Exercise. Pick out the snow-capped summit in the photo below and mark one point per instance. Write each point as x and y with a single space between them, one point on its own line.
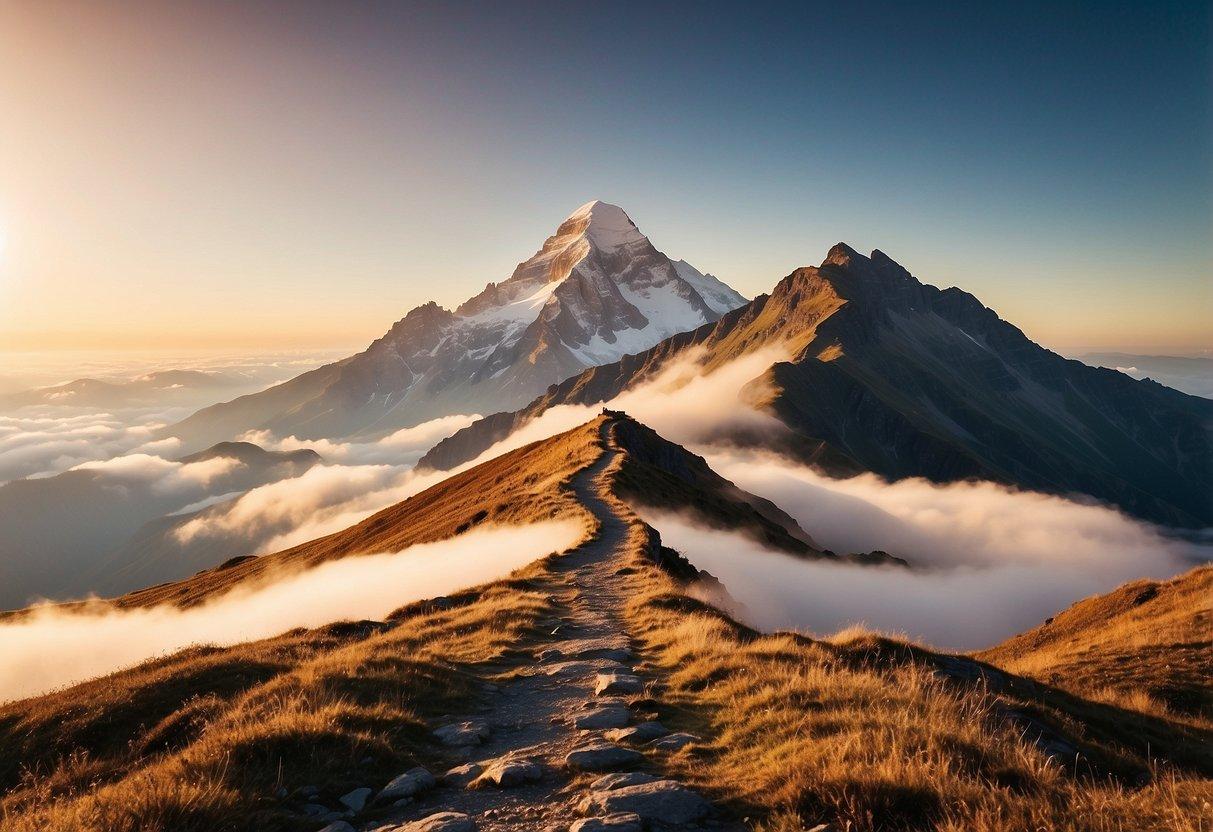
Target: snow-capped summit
605 225
595 291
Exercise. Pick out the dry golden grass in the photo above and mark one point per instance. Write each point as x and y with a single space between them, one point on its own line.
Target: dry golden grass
862 734
523 486
205 740
1146 646
859 731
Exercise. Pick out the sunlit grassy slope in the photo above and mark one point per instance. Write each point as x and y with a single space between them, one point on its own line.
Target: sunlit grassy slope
861 732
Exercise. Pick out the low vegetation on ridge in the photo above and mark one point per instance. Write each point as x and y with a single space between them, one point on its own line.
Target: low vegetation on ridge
860 732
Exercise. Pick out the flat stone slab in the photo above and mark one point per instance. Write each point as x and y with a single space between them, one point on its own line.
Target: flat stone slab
410 784
644 732
609 782
615 683
674 742
338 826
611 716
441 822
602 756
664 801
618 822
507 773
458 734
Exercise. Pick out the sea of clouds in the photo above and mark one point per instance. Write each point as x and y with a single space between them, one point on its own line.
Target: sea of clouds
988 561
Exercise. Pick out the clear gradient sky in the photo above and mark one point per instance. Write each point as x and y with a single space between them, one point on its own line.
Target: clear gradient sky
301 174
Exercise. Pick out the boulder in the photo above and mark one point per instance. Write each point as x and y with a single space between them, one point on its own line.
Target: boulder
602 756
644 732
506 773
663 801
608 782
460 776
458 734
674 742
410 784
617 683
611 716
356 799
338 826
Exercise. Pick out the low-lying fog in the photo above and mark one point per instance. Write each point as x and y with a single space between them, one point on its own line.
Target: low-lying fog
989 561
51 648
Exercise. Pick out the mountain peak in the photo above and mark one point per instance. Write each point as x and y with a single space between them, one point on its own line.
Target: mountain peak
842 255
596 290
605 225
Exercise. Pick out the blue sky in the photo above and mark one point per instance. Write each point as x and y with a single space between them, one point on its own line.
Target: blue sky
280 172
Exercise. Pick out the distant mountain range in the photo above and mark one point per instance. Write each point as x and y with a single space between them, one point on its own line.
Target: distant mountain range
595 291
157 388
893 376
59 531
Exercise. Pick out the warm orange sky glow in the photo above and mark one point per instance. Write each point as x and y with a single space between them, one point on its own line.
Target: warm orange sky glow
264 175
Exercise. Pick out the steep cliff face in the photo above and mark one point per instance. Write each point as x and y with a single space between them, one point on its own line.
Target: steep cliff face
905 379
595 291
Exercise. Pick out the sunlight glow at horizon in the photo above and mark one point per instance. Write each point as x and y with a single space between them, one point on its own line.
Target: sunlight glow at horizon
301 175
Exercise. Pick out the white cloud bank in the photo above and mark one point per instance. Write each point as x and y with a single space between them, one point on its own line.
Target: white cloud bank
51 648
990 561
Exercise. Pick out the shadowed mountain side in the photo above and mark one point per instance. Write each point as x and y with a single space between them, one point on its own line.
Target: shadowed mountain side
1144 640
660 474
903 379
58 530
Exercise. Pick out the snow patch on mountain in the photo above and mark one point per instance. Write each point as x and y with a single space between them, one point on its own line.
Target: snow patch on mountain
595 291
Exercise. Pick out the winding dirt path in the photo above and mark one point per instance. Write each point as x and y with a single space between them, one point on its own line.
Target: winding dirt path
533 714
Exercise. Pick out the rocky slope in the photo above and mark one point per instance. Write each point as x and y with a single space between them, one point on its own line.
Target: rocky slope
596 291
894 376
588 691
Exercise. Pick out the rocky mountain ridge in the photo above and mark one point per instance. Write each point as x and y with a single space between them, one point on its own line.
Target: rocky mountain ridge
595 291
891 375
